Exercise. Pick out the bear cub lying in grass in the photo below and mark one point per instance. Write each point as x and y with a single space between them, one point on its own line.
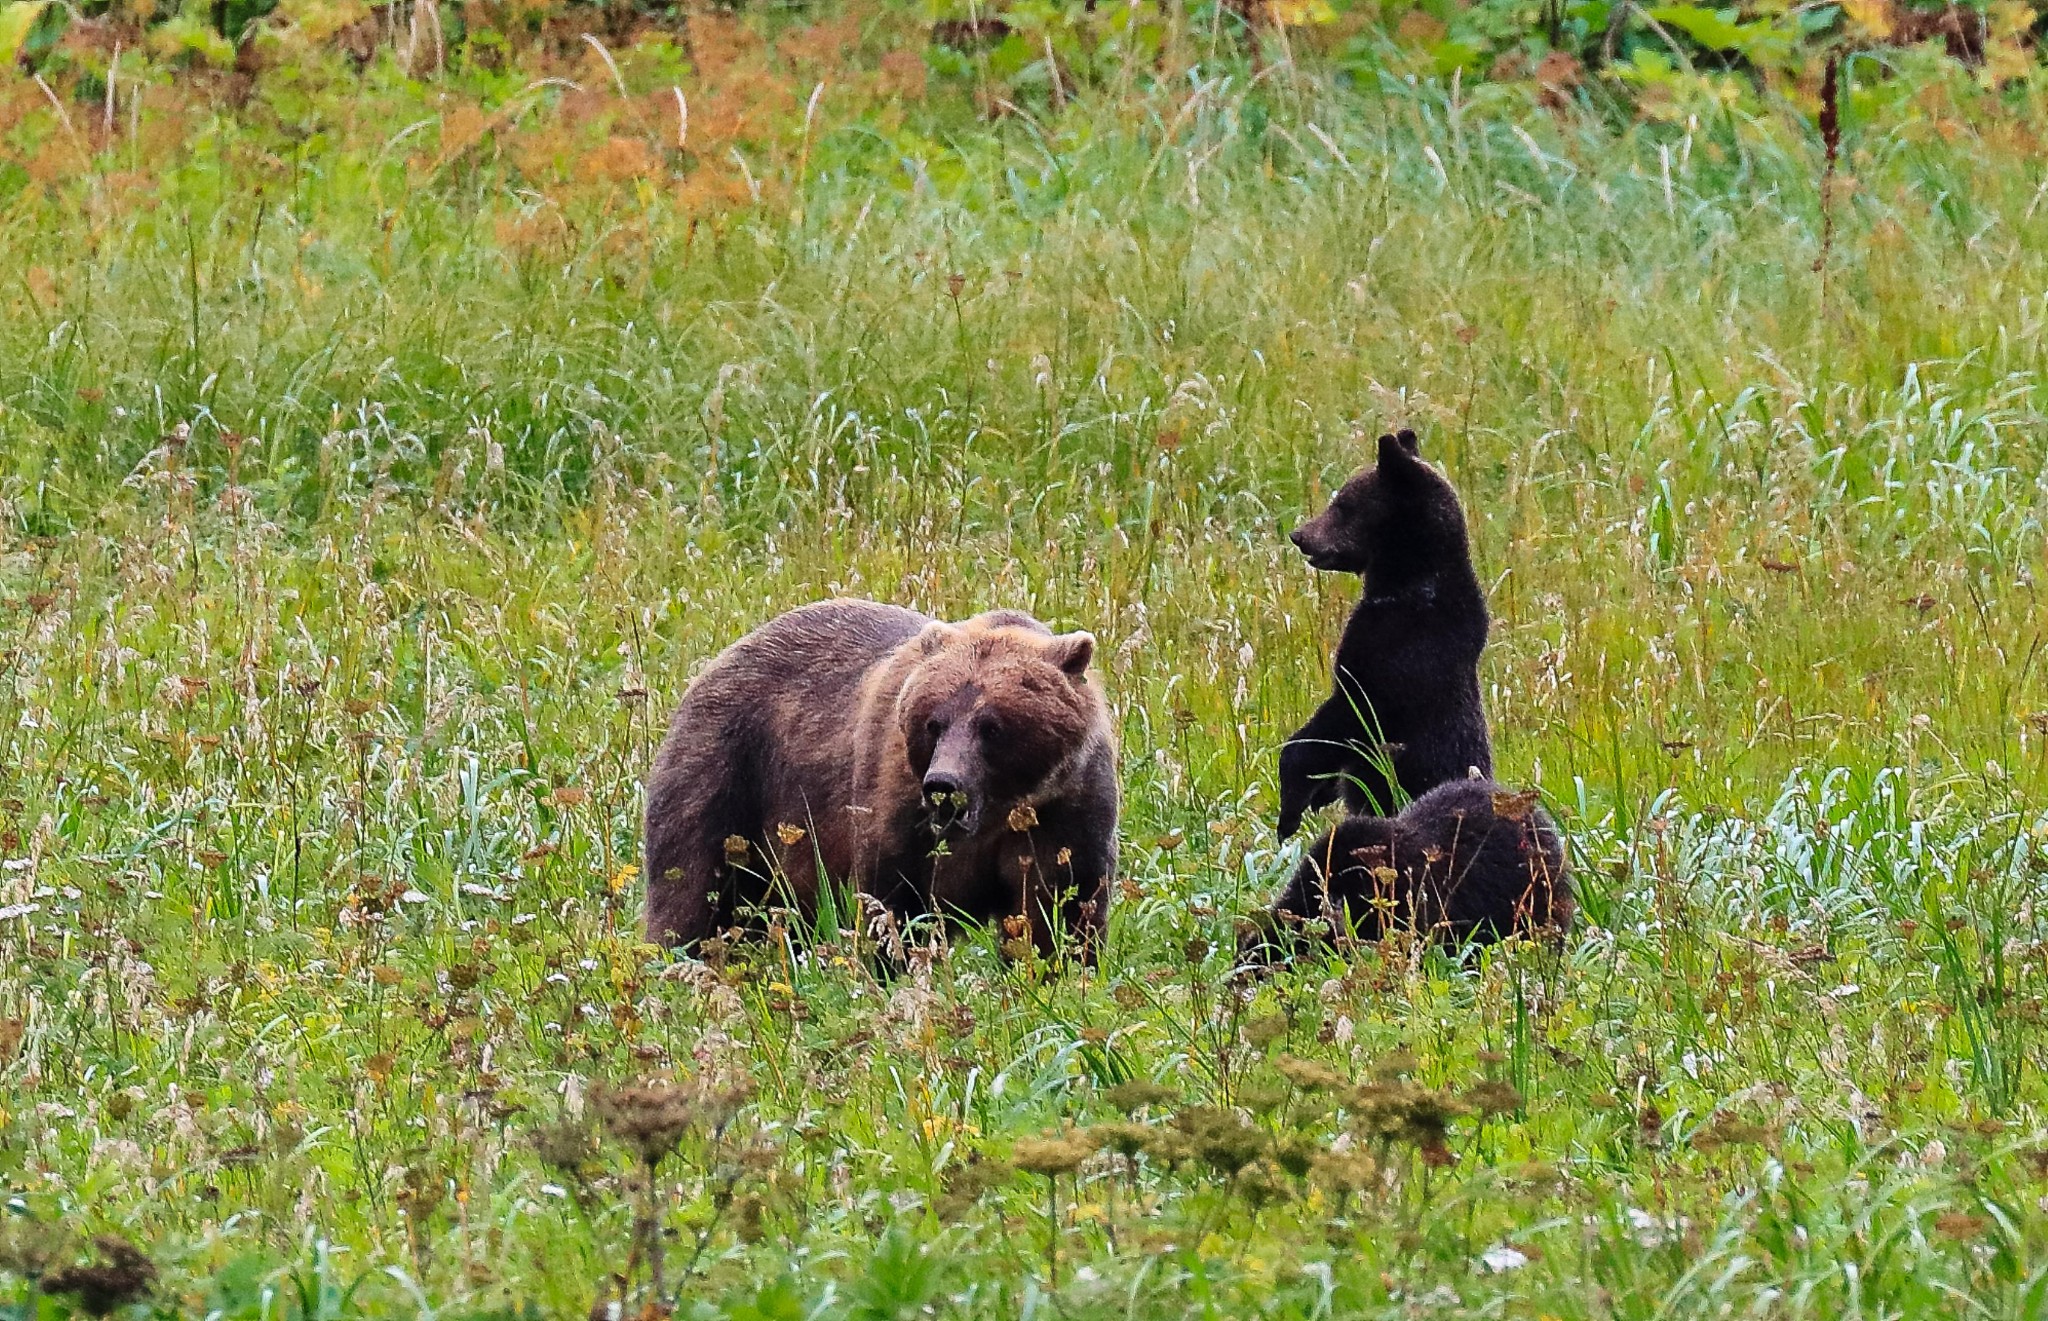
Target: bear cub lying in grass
1407 667
966 769
1466 861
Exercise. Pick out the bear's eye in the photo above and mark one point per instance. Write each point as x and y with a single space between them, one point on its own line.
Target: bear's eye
932 729
992 730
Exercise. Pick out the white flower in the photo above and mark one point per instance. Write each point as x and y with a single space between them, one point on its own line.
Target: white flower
1503 1257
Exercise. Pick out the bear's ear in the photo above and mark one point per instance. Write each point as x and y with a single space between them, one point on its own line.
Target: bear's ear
1072 652
933 636
1399 451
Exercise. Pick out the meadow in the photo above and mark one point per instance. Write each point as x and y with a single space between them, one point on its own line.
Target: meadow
385 437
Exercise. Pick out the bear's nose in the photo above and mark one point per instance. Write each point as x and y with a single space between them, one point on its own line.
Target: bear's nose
1299 544
940 786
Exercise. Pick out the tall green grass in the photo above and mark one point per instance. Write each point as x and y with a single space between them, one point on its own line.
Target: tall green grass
358 543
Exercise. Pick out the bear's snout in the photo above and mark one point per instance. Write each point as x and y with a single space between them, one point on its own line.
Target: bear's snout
1312 546
950 800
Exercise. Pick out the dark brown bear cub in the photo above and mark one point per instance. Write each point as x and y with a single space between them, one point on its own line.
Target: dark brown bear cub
966 769
1407 667
1466 861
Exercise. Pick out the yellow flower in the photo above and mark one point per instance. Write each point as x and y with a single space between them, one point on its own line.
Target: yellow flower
1873 16
1301 13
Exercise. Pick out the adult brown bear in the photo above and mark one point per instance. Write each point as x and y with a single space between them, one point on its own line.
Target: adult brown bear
967 769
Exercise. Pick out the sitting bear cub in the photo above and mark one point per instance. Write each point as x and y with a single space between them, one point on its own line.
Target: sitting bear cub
967 769
1466 861
1407 667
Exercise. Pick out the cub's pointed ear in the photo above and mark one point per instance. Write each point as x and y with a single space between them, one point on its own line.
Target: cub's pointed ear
934 636
1072 652
1409 442
1392 452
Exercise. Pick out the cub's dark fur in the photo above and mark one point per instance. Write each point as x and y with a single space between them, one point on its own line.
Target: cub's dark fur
1407 667
967 769
1466 861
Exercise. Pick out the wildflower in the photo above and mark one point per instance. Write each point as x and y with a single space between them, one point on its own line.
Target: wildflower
1961 1225
1308 1075
1022 817
964 1184
1493 1098
651 1119
1297 1155
1515 806
1051 1157
1727 1131
1126 1140
1404 1112
1136 1094
1220 1139
1344 1172
1397 1064
1263 1032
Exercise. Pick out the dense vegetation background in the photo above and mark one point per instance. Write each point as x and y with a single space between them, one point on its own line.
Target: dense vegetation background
397 402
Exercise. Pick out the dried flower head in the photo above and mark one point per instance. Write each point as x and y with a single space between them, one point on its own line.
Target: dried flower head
651 1119
964 1184
1136 1094
1264 1031
1515 806
567 1147
1492 1097
1308 1075
1344 1172
1126 1140
1220 1139
1404 1112
1051 1157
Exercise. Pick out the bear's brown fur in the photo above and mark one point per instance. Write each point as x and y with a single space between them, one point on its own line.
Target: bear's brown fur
967 769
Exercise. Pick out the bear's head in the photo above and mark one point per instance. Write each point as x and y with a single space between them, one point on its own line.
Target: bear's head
1398 512
993 709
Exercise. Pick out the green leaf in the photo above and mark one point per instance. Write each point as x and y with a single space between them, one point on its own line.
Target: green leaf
1454 54
23 28
1706 26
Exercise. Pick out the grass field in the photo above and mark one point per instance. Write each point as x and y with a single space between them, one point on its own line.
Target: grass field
378 458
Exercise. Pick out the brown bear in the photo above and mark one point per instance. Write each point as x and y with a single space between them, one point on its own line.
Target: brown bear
1406 711
965 769
1467 861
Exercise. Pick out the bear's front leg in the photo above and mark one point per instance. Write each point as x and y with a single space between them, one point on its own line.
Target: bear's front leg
687 880
1313 762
